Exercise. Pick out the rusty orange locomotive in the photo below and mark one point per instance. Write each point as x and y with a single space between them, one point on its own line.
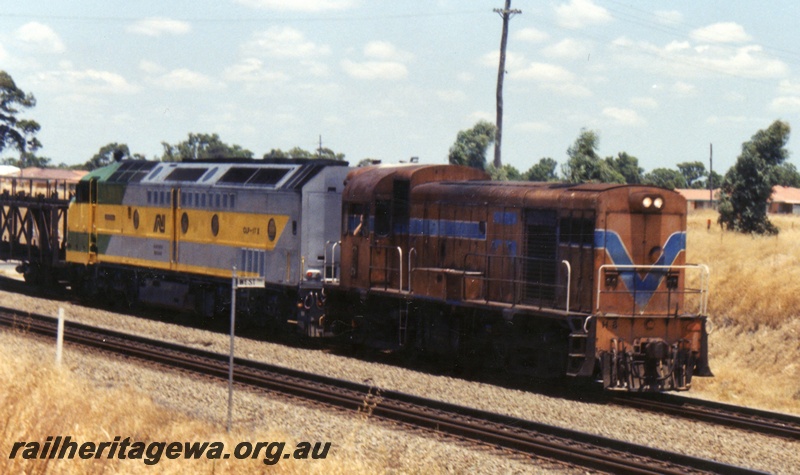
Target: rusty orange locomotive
543 279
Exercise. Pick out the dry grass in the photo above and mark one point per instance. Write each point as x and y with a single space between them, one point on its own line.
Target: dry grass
755 310
39 400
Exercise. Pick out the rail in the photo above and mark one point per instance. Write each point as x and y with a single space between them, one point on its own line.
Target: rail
643 288
519 436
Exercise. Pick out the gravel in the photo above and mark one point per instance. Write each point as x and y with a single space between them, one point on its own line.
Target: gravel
363 437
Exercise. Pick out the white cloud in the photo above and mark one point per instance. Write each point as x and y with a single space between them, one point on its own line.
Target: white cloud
40 38
384 61
150 67
749 61
383 50
157 26
299 5
788 100
544 72
681 59
389 70
530 35
553 78
568 49
789 88
623 116
252 70
185 79
581 13
481 115
727 119
724 32
786 104
283 42
89 82
677 46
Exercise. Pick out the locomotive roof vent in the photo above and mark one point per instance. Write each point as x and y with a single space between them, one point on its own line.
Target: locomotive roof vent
647 202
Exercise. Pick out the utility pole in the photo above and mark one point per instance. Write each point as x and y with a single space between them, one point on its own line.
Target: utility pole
506 14
710 174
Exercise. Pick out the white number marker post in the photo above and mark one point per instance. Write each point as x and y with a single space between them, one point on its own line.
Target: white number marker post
237 283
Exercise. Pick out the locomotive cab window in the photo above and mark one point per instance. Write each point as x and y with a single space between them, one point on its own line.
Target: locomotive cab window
82 192
576 230
356 219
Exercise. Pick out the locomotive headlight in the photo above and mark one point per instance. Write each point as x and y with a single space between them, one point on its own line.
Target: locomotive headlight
658 202
647 201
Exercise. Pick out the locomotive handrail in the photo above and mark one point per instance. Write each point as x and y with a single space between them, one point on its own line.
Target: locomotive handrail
333 279
569 280
542 285
703 290
413 250
400 262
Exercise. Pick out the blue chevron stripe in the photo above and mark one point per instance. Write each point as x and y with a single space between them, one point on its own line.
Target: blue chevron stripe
644 286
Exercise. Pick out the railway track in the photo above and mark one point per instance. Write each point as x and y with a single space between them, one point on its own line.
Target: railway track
498 431
746 418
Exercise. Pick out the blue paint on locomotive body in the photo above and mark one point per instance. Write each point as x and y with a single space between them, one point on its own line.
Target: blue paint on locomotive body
641 287
447 228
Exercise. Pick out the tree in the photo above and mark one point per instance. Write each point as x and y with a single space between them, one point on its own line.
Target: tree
202 146
297 152
693 173
585 165
505 173
627 166
470 146
27 159
786 175
15 132
107 154
714 179
665 178
747 186
30 159
545 170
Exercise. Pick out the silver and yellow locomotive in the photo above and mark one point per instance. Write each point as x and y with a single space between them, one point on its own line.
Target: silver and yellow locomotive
171 234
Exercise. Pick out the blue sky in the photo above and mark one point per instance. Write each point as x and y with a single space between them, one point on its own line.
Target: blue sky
390 80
